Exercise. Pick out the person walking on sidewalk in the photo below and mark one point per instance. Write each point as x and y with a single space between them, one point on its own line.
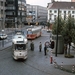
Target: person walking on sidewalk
32 46
40 47
45 48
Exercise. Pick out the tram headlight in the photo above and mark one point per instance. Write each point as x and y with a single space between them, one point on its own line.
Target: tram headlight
25 41
14 41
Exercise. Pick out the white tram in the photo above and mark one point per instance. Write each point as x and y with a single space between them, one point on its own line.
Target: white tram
34 32
19 43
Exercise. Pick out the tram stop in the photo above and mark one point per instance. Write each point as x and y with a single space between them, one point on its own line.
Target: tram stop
60 47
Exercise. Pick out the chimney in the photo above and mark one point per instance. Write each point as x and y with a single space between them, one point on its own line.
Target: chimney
72 0
52 1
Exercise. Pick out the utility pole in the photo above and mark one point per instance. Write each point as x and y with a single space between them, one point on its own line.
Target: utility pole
3 21
21 14
3 14
0 15
57 36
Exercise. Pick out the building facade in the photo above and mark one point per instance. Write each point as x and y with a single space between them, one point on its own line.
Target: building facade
2 14
36 14
65 8
15 12
72 0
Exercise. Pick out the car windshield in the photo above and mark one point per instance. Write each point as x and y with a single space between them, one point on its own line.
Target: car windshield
2 34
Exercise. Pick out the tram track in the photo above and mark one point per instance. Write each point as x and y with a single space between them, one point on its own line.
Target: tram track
37 68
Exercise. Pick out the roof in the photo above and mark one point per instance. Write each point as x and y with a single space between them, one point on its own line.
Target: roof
63 5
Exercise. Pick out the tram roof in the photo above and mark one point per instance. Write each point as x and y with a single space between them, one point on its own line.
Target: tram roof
35 28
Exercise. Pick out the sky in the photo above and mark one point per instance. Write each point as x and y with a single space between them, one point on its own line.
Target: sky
41 2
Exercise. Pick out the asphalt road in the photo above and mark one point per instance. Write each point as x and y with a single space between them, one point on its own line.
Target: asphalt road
8 66
36 63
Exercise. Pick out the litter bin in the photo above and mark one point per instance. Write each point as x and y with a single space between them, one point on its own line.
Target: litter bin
60 49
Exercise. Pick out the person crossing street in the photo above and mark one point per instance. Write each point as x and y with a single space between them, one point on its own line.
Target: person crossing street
32 46
45 48
40 47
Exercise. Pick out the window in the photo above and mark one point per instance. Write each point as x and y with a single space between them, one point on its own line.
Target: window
64 12
72 16
69 12
54 17
20 47
29 32
73 12
55 11
50 11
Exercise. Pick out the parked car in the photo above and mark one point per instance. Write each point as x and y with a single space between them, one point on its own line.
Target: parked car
3 36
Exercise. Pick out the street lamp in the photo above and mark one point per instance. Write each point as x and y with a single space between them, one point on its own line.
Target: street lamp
21 14
50 24
57 36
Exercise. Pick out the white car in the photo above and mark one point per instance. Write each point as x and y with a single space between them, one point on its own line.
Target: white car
3 36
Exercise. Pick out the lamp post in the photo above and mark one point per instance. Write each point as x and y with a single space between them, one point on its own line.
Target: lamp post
57 36
3 14
50 24
21 14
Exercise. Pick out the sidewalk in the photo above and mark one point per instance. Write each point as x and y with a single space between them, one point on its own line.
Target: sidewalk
7 31
5 46
65 64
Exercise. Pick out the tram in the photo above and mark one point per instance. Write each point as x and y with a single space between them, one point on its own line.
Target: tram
19 45
34 32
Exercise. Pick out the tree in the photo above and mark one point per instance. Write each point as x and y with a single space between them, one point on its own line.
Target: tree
68 32
60 27
66 28
48 25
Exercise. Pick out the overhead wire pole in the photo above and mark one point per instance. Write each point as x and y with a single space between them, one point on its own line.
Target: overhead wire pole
3 22
3 14
21 14
57 36
0 17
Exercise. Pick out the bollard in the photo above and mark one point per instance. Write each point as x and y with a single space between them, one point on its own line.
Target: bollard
73 68
51 59
55 63
62 65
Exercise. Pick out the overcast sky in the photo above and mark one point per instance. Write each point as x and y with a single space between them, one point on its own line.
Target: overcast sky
41 2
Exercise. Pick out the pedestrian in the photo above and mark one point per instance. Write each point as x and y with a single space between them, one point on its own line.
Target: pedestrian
32 46
44 26
65 49
45 48
40 47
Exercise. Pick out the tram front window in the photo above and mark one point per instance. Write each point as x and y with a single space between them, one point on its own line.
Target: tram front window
29 32
20 47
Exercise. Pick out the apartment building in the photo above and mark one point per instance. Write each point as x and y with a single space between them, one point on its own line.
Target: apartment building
72 0
36 14
65 8
15 12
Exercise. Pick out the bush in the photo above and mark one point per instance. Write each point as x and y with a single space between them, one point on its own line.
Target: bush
69 56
